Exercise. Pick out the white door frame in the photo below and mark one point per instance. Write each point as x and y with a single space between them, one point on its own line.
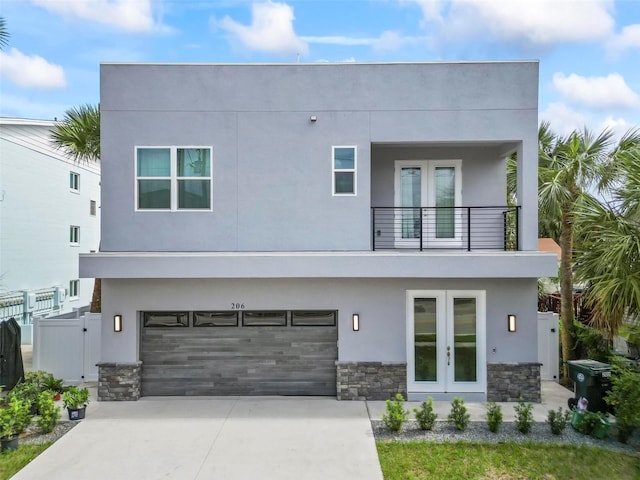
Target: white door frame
445 382
428 199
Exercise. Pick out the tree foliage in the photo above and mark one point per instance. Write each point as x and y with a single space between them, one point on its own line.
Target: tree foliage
78 134
4 33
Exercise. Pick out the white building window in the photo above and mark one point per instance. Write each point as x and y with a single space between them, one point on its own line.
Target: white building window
74 235
92 208
173 178
74 288
74 181
343 163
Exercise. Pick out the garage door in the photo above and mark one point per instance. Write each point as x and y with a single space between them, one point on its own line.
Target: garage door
239 353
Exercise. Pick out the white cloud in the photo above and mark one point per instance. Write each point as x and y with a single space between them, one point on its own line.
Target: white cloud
529 23
19 107
340 40
598 92
387 41
128 15
271 29
619 126
629 37
31 71
563 120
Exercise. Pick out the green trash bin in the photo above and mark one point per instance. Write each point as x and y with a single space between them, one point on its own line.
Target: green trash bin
592 381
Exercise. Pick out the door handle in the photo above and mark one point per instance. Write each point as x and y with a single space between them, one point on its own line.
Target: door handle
448 355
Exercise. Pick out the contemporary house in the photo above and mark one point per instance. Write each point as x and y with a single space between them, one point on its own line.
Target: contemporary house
49 214
323 229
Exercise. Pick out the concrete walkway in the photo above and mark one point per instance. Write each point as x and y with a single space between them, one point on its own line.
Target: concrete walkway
200 438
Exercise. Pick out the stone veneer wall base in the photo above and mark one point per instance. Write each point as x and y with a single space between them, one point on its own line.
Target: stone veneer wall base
508 382
370 380
119 381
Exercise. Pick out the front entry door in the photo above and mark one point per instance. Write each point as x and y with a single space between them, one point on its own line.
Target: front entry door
426 194
446 341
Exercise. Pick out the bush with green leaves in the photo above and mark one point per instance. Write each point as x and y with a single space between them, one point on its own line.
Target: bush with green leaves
524 416
27 391
396 413
557 420
625 398
15 416
425 416
49 412
75 397
494 416
459 415
591 421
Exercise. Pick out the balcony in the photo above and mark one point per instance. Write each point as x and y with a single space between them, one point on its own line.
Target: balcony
445 228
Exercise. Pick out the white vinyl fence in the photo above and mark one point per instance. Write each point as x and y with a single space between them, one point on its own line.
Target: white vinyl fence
549 345
69 348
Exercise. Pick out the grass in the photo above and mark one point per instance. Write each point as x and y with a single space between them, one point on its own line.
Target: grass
428 460
12 461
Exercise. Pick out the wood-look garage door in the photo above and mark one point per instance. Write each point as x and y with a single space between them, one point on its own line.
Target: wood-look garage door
239 353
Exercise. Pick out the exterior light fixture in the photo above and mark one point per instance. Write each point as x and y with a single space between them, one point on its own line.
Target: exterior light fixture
313 118
511 322
117 323
355 320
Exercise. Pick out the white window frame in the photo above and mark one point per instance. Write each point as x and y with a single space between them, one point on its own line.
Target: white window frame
335 170
74 182
74 289
74 235
173 178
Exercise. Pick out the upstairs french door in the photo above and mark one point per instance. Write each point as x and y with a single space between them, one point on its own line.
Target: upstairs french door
426 192
446 341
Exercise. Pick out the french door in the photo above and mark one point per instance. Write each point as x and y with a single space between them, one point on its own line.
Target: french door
426 194
446 341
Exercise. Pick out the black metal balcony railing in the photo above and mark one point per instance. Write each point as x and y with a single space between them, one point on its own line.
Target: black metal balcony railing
455 228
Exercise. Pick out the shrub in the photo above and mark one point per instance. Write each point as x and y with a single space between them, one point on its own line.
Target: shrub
396 413
494 416
75 397
14 417
425 416
524 416
558 420
459 416
624 397
28 392
49 413
590 422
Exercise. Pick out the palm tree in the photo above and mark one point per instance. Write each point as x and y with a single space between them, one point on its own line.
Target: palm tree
78 135
4 33
609 255
568 168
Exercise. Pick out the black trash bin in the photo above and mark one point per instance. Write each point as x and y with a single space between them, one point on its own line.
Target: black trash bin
592 381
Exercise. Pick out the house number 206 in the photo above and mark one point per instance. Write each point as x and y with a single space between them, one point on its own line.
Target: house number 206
237 306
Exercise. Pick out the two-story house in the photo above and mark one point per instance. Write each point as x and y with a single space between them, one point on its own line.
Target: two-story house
325 229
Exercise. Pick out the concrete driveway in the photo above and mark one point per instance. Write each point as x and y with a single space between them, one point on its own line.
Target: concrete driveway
223 438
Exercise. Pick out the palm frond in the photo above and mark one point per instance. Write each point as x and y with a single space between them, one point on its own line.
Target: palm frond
78 134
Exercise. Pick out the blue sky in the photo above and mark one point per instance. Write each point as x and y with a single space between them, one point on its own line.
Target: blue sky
589 50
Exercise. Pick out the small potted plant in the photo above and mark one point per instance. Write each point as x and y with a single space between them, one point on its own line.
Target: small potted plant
15 416
54 385
75 401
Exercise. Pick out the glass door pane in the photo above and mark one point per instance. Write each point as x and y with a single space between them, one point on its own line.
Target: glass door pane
445 198
464 339
425 339
410 200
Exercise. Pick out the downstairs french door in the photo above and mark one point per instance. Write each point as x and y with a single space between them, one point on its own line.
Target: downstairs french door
446 341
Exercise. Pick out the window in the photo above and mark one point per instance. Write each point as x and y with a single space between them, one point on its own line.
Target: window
74 288
173 178
344 170
166 319
313 318
92 208
264 319
74 181
215 319
74 235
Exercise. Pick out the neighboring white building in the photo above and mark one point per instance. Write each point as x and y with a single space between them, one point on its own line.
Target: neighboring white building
49 214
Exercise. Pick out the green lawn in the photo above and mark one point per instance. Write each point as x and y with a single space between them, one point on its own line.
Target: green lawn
12 461
450 461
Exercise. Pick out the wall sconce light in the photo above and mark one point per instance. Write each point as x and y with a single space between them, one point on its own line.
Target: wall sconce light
313 118
355 320
117 323
511 322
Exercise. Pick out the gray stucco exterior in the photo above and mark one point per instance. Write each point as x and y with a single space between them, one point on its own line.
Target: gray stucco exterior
277 237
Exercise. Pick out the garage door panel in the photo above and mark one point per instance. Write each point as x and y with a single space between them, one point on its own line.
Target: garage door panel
239 360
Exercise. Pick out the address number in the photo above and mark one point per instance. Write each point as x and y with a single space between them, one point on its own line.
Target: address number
237 306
